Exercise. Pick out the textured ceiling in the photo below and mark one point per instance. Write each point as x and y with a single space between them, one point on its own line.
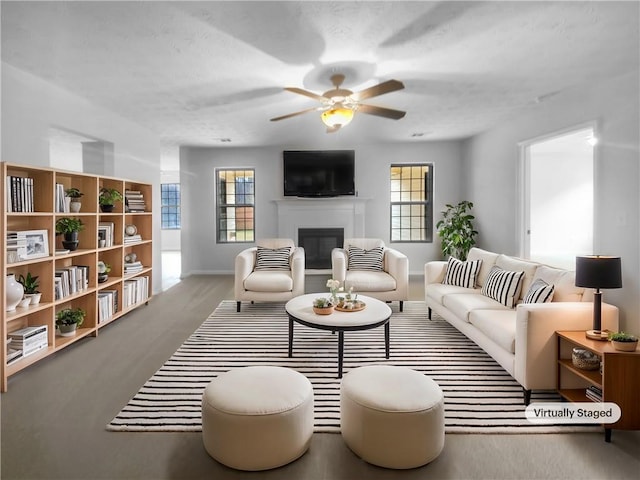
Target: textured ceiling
200 72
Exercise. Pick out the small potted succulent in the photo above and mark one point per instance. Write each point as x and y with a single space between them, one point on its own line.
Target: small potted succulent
69 227
69 319
30 284
322 306
623 342
107 199
74 194
103 271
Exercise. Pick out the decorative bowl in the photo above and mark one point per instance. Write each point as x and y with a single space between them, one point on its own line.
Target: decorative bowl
25 302
584 359
620 346
323 310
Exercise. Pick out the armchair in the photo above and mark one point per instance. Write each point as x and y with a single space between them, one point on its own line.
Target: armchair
387 281
267 273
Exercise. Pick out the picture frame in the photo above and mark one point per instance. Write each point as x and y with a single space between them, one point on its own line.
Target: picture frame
37 244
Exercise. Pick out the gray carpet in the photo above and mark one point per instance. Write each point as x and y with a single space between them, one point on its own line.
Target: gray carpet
480 396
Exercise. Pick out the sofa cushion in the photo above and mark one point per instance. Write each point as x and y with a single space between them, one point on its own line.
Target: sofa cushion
365 281
462 274
539 292
361 259
269 281
272 258
488 261
518 265
461 304
437 291
498 325
503 285
564 283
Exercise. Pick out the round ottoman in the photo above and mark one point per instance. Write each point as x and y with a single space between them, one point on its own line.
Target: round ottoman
257 418
392 416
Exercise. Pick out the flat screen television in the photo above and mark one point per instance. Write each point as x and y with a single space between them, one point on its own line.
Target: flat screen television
319 173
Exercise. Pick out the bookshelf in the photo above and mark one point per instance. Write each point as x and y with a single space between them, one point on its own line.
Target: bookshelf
39 206
618 379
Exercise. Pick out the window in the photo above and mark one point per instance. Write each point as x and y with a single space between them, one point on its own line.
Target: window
412 203
235 205
170 196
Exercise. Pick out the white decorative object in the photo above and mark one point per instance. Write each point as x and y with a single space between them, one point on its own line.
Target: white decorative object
130 230
13 292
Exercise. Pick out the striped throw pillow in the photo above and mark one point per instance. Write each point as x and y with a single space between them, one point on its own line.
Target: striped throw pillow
503 286
272 258
360 259
539 292
462 274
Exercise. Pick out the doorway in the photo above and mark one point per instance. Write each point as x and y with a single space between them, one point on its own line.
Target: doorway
558 197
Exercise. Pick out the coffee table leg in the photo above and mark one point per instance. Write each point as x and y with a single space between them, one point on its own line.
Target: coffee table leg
290 337
386 338
340 352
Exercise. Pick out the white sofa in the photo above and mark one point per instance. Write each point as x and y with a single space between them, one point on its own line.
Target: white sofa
521 339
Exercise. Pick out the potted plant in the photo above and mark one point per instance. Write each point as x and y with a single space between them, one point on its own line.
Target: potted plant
322 306
69 319
30 284
624 342
69 227
456 230
103 271
74 194
108 197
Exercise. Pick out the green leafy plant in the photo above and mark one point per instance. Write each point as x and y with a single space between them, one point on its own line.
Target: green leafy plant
622 337
103 267
73 192
322 303
69 316
456 230
68 225
108 196
30 283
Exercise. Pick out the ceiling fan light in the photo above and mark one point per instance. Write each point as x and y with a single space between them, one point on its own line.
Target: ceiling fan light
337 116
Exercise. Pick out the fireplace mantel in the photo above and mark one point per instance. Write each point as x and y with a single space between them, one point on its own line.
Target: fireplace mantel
338 212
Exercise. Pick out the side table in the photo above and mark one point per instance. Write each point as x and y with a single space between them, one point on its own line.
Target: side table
619 380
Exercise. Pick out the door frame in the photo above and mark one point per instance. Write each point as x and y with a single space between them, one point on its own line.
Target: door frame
522 220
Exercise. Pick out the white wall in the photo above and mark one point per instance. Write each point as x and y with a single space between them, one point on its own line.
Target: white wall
201 254
492 161
30 106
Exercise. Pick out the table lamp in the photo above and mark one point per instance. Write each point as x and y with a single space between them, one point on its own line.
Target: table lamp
598 271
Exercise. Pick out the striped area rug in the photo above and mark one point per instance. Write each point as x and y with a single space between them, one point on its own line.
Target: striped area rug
480 396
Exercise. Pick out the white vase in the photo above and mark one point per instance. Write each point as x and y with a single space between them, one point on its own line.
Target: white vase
75 207
13 291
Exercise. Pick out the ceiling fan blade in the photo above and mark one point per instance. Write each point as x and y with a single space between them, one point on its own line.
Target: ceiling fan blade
294 114
306 93
381 111
380 89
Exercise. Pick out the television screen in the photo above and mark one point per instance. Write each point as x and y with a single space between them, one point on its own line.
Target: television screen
319 173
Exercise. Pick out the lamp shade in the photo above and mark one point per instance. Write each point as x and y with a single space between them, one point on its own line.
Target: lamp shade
595 271
338 116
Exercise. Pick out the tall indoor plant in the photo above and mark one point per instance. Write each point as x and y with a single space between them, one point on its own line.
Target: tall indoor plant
456 230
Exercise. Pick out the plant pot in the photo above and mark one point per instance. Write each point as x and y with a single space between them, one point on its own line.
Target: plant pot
103 277
24 303
323 310
75 206
34 298
624 346
70 241
106 208
68 330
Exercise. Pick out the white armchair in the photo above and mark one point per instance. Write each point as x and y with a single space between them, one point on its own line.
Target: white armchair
387 284
269 275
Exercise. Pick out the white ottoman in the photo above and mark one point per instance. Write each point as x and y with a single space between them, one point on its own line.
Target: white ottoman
392 416
257 418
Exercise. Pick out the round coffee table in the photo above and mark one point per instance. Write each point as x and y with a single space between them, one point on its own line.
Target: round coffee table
375 314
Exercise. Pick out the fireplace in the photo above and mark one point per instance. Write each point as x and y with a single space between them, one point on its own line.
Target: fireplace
318 243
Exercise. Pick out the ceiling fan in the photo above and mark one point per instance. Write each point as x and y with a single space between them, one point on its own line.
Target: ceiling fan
340 104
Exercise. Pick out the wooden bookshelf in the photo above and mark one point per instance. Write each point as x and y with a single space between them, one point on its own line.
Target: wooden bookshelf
619 377
43 212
